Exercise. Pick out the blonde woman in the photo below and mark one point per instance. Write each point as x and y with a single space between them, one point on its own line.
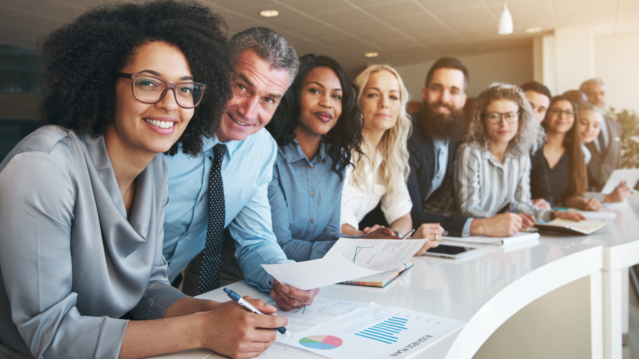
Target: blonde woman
492 166
379 173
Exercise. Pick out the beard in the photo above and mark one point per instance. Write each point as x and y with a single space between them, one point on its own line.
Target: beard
450 127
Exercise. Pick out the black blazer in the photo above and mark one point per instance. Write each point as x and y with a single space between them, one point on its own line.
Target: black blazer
539 183
422 171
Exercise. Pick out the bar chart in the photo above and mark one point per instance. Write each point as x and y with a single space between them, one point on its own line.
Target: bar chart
385 331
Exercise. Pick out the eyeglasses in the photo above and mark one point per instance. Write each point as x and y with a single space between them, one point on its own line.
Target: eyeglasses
496 117
557 112
150 89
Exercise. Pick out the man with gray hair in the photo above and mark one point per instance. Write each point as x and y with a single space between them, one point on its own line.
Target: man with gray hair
221 196
606 149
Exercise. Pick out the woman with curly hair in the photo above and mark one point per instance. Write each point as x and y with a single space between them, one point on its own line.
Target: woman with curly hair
380 170
492 166
83 203
316 126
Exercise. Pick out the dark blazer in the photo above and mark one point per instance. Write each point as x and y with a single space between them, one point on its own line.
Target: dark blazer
422 171
602 164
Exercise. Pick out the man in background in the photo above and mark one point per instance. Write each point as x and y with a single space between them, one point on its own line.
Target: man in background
606 149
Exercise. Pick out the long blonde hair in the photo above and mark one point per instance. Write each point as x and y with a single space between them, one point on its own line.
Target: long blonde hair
392 146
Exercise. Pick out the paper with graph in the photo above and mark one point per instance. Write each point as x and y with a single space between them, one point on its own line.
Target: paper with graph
376 254
321 311
375 331
348 259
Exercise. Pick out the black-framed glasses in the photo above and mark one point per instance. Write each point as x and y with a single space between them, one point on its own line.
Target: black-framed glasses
496 117
557 112
151 89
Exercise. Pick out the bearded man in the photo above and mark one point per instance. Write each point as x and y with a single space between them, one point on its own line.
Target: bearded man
437 130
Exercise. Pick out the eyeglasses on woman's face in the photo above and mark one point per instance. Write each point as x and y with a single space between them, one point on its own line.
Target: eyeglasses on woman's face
557 112
496 117
151 89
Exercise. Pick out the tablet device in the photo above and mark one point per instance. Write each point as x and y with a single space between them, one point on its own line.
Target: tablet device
453 252
630 175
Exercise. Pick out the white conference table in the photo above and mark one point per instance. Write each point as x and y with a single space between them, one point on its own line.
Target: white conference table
487 290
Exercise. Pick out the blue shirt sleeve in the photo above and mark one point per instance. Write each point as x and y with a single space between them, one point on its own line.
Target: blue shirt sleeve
252 229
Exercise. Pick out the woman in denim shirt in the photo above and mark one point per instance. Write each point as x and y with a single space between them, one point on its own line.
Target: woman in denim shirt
317 126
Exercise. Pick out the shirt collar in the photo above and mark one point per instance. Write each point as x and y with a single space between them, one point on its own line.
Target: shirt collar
295 153
209 143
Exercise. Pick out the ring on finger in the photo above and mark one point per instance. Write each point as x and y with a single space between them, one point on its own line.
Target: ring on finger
436 236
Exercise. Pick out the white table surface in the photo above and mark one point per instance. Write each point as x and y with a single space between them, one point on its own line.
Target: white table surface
488 289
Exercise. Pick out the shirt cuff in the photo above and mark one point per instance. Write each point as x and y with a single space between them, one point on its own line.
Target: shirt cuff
466 229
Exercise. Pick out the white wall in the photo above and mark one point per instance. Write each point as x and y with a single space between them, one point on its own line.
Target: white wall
510 66
617 63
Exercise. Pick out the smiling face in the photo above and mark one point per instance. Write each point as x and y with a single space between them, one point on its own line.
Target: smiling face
501 132
257 91
596 94
320 101
539 103
151 128
445 92
380 101
558 121
589 125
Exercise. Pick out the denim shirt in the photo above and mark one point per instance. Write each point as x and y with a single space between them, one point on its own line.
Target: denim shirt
305 198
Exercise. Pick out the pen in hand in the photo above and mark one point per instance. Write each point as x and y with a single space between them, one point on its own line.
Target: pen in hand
248 306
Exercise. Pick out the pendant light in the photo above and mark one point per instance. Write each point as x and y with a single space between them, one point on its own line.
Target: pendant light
505 22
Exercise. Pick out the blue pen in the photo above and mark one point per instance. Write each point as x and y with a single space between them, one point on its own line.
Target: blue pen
248 306
512 207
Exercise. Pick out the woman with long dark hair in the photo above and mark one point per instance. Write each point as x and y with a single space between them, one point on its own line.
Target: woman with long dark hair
83 203
564 157
317 126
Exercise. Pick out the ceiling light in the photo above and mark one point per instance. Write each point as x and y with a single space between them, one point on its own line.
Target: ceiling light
269 13
532 30
371 54
505 22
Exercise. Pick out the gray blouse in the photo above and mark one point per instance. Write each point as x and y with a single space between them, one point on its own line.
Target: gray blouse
71 263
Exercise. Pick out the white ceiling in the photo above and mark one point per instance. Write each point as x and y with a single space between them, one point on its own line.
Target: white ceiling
401 31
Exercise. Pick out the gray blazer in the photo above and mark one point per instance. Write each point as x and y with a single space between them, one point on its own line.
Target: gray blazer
603 164
71 263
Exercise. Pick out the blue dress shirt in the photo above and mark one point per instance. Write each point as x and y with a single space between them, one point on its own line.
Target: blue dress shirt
247 170
305 199
441 153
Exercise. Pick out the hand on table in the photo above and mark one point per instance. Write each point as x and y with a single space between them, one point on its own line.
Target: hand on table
233 331
368 230
288 297
433 232
620 193
500 225
527 221
540 203
572 216
592 204
381 233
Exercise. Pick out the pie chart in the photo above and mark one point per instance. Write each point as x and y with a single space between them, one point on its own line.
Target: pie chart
321 342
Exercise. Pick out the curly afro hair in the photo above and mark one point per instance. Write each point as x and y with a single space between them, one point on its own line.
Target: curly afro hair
81 59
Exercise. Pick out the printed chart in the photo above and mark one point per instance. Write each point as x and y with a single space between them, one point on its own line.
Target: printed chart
322 342
375 331
322 311
385 331
376 254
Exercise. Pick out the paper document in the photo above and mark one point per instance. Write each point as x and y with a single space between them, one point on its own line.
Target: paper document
376 254
316 273
348 259
375 331
517 238
322 311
